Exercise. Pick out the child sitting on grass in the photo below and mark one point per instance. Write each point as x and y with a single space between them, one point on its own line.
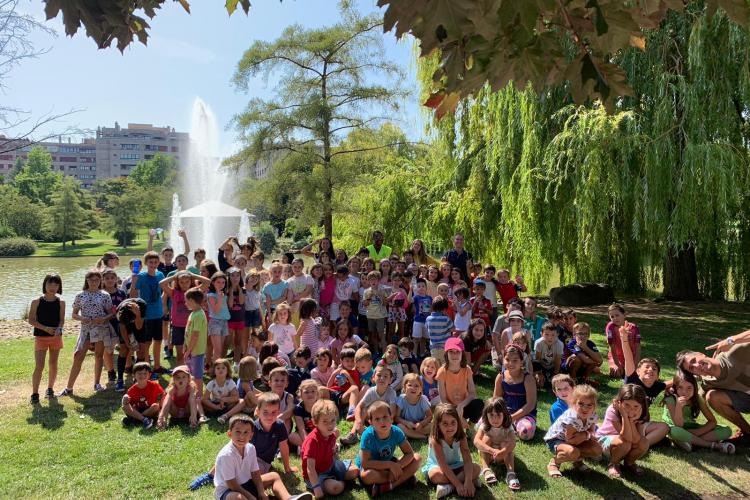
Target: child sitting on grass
248 394
383 391
379 468
449 464
279 380
584 357
142 402
324 474
343 386
496 441
562 386
390 359
181 401
220 394
303 423
621 434
572 437
323 367
414 415
238 474
548 351
430 385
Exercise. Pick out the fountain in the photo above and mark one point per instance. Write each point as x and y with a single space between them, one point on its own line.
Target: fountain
244 232
175 223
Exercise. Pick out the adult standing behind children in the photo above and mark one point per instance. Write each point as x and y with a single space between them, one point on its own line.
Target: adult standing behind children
459 257
726 378
379 251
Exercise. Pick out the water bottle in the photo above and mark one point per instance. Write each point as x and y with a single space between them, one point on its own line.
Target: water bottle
340 379
136 266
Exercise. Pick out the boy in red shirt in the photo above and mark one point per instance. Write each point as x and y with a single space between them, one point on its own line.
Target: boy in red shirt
142 402
507 288
323 473
343 386
481 307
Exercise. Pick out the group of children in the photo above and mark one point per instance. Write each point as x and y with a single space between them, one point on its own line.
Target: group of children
394 351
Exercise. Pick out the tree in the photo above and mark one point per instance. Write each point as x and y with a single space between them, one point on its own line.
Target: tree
159 171
545 42
17 167
322 94
20 214
37 181
122 217
66 217
105 189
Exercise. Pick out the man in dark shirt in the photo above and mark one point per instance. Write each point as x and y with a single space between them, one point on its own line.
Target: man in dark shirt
458 257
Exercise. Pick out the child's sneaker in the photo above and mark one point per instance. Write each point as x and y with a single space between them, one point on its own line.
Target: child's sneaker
349 439
203 480
443 490
727 448
350 415
302 496
222 419
203 419
65 392
35 398
120 386
50 394
147 423
683 445
99 388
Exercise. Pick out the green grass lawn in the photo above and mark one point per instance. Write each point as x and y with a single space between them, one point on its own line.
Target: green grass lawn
95 244
76 447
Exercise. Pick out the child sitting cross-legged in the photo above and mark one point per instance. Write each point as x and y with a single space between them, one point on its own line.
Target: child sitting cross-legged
308 394
238 474
381 392
414 411
248 394
572 437
141 403
379 468
182 399
449 464
279 380
496 442
324 474
343 386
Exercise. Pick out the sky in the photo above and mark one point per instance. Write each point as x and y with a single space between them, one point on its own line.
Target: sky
187 56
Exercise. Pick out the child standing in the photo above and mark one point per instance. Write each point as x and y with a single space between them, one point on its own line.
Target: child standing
449 464
344 291
281 331
414 410
621 433
379 469
463 310
275 291
422 308
518 388
236 305
374 301
481 307
439 328
324 474
456 382
396 307
615 356
496 441
307 331
218 315
142 402
682 405
252 301
183 281
196 333
47 316
572 437
507 288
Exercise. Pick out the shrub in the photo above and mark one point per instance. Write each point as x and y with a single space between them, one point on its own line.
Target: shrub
16 247
6 232
267 237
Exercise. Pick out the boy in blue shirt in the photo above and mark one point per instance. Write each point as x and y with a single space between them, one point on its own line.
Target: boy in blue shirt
377 464
562 386
439 328
422 307
584 356
145 285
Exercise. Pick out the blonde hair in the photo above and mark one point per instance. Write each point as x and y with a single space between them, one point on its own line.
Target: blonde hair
584 391
408 378
248 370
428 359
323 407
362 354
282 307
582 325
563 378
306 383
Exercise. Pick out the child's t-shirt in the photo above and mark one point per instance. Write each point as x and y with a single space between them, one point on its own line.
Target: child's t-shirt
389 396
651 392
376 309
197 322
320 376
574 348
430 389
230 465
365 379
381 450
252 300
687 415
320 449
274 291
412 412
344 290
569 418
439 328
490 293
340 383
545 353
615 343
223 312
463 319
557 409
142 398
507 291
456 383
481 308
301 412
220 391
283 335
608 424
179 314
150 291
267 442
422 308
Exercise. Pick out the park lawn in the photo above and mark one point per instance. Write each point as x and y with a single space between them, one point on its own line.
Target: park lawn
95 244
76 447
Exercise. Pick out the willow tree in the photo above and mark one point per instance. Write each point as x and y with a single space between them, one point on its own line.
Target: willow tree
330 82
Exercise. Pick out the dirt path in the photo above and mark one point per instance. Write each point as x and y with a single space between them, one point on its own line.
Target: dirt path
18 328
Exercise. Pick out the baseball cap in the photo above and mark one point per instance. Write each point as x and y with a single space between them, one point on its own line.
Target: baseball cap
454 343
515 315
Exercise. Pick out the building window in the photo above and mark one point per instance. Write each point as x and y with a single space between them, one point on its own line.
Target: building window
130 146
130 156
174 149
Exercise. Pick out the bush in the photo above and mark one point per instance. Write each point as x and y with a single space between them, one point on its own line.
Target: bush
266 235
16 247
6 232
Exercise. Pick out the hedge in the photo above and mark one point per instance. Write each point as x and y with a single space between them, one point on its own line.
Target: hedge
16 247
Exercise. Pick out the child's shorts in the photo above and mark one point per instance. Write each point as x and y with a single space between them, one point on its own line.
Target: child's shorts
195 365
249 486
553 443
236 325
456 471
606 442
218 327
396 314
336 472
252 318
419 330
178 335
335 396
264 466
53 343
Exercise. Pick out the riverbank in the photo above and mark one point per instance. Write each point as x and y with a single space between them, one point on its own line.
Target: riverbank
95 244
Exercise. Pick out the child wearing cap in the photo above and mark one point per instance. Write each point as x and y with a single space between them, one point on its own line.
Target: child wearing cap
456 382
516 322
181 400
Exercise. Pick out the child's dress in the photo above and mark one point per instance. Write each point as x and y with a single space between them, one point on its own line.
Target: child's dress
453 458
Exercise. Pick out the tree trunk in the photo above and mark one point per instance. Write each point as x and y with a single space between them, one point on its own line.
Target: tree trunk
681 275
328 190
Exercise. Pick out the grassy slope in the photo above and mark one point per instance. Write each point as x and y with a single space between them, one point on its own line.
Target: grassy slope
96 243
78 448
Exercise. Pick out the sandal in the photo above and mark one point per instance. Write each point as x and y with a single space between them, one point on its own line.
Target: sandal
724 447
553 470
222 419
635 469
488 476
614 471
512 481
